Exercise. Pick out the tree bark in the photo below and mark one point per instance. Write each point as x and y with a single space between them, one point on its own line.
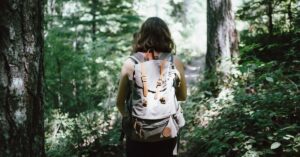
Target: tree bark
222 37
21 77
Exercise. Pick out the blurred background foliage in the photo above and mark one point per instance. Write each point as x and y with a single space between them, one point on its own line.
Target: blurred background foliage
86 42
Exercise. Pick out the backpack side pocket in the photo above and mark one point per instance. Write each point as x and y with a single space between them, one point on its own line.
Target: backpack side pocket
179 118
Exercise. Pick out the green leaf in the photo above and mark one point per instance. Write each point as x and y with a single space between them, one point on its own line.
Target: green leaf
269 79
275 145
288 137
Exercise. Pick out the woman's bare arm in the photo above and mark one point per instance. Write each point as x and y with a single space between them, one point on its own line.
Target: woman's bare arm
123 87
181 91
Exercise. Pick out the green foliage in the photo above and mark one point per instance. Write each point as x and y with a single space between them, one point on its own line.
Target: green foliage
256 113
260 116
256 13
85 45
280 47
89 132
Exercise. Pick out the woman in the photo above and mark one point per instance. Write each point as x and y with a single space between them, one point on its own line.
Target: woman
153 35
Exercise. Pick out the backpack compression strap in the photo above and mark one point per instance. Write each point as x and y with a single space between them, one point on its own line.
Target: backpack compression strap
144 80
144 76
150 56
159 82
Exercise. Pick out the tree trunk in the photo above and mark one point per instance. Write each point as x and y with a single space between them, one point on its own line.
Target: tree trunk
21 77
93 12
222 38
60 83
290 15
270 16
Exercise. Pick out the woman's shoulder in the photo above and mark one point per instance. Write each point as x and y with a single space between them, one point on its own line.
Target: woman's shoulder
178 63
176 58
128 67
129 61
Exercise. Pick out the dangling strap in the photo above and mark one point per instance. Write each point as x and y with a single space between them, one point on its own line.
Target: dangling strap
159 82
147 56
143 71
144 80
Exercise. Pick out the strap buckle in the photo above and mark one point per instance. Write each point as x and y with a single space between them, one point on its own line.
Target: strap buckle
144 78
159 82
138 128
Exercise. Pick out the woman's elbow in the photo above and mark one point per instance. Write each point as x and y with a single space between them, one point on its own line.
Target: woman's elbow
181 97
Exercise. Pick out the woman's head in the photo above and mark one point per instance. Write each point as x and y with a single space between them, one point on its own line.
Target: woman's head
153 35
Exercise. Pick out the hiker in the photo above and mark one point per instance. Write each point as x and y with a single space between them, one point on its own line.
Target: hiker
151 84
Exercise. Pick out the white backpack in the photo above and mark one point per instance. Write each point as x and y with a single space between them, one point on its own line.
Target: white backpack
152 105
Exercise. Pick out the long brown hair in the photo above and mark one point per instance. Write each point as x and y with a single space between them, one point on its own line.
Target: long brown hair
153 35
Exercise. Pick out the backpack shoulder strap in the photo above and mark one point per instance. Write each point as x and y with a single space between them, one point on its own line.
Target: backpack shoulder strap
172 61
137 57
134 59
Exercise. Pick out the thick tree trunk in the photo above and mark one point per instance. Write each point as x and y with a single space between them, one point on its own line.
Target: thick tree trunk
222 38
21 77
